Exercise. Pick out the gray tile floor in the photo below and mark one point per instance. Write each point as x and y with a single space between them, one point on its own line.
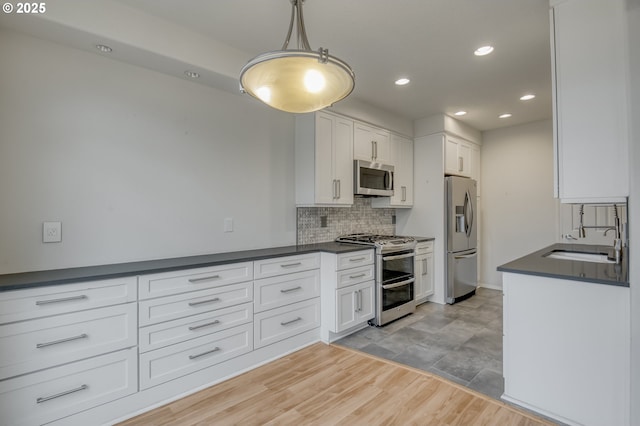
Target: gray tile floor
461 342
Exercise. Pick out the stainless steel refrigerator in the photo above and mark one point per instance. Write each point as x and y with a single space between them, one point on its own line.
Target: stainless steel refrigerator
462 251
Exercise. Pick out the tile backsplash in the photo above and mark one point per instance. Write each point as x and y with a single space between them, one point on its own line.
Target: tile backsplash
322 224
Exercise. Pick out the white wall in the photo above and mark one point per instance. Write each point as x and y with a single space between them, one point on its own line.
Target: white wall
136 164
519 213
634 205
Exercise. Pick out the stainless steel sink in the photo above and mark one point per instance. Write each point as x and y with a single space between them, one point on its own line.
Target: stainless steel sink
578 255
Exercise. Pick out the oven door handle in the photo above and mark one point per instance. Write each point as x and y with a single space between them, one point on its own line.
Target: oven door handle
400 256
400 284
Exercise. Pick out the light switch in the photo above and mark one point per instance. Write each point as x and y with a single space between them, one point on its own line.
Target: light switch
228 224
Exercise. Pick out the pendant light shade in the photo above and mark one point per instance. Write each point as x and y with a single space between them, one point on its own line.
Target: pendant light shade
300 80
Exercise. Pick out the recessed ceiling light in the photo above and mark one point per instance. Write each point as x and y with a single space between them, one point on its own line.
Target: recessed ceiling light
103 48
402 81
527 97
484 50
507 115
191 74
459 113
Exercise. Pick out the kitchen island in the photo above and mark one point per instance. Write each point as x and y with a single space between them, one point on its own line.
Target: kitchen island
567 336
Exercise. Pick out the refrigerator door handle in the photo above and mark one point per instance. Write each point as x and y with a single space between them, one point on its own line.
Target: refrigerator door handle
468 213
466 256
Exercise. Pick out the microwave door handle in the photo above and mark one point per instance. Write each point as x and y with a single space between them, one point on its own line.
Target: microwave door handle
388 180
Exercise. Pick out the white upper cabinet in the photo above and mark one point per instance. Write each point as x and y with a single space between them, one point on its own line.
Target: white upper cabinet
590 67
371 144
458 157
401 156
324 160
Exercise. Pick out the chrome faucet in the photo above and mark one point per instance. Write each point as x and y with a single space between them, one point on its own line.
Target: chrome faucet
581 232
617 239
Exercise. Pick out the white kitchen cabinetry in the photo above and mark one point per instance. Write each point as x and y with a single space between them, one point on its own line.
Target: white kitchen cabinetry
348 293
371 144
324 160
187 328
567 349
287 302
591 87
458 157
423 271
66 348
402 158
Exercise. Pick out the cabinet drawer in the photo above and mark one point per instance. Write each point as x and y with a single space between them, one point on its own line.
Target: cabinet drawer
169 283
38 302
424 248
352 276
168 333
286 265
174 361
187 304
354 259
286 289
61 391
280 323
41 343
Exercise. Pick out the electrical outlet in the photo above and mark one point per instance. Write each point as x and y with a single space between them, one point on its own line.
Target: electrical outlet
228 224
51 232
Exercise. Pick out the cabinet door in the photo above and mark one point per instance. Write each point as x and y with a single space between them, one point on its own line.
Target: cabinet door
591 130
367 303
324 180
343 160
371 144
346 314
464 159
427 275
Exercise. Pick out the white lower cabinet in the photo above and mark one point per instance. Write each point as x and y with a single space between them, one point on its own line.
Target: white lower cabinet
58 392
277 324
423 271
174 361
348 292
355 305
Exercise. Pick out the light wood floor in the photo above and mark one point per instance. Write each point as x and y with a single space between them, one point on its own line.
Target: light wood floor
331 385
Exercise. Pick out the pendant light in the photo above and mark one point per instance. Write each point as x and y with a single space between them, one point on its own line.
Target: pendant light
300 80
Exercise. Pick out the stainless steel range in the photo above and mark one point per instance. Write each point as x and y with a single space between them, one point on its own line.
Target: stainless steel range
394 274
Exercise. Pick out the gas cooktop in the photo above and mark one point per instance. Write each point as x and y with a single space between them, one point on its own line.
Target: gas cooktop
376 240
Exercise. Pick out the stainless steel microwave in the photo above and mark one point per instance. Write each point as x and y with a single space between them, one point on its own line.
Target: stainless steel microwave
372 178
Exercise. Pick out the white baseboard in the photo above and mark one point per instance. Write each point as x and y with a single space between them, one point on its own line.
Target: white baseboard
490 286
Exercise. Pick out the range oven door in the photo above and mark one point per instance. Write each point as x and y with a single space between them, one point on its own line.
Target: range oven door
397 279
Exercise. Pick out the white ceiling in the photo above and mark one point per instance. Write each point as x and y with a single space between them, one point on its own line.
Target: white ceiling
429 41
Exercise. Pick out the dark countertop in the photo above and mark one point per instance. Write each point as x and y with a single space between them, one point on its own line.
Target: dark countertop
600 273
101 272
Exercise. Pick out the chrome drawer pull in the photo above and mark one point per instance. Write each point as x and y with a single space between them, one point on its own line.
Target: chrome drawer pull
202 302
289 265
56 342
357 259
197 280
291 322
64 299
196 327
289 290
58 395
216 349
357 276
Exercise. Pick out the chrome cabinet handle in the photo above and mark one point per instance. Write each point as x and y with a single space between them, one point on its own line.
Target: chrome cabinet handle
424 268
460 164
57 342
216 349
404 193
356 259
197 280
291 322
289 265
64 299
202 302
339 190
357 276
58 395
196 327
289 290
